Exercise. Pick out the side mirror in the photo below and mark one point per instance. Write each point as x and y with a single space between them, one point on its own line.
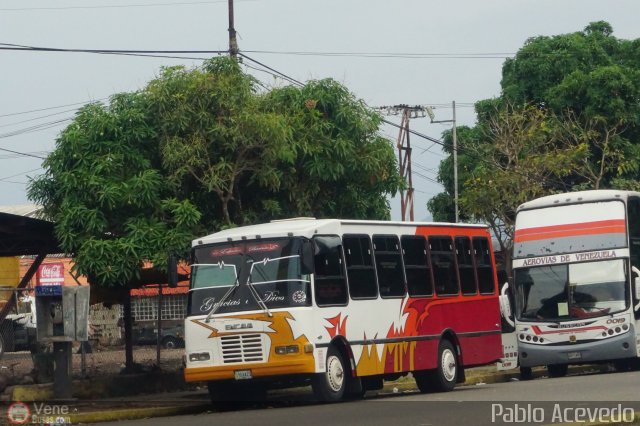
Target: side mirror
172 271
505 304
636 286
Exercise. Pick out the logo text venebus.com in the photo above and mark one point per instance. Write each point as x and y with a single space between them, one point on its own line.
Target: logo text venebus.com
19 413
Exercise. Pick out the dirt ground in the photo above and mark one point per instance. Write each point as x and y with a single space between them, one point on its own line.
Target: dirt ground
102 361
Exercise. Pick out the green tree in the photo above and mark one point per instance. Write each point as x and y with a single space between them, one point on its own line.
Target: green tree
342 166
587 85
103 187
215 139
245 156
589 75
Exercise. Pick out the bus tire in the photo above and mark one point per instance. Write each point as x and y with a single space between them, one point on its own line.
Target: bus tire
526 373
330 385
625 364
445 376
557 370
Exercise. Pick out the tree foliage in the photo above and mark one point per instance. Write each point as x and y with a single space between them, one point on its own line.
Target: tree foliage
203 148
246 156
342 166
103 187
567 119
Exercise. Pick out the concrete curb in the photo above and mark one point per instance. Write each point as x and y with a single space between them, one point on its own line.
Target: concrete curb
136 413
104 387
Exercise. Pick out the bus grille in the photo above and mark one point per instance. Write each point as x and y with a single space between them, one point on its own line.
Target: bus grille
242 348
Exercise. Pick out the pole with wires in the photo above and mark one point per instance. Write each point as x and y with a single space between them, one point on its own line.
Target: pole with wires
404 153
454 136
233 42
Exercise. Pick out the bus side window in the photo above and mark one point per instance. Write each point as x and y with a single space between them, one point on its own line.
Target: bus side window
361 273
465 266
483 265
330 282
416 265
444 266
386 251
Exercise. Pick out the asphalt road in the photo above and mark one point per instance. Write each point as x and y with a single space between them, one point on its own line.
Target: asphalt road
540 401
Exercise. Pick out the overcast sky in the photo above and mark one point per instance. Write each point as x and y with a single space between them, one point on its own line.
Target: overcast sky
447 33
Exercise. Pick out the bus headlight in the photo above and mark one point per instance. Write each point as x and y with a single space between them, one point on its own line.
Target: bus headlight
199 356
291 349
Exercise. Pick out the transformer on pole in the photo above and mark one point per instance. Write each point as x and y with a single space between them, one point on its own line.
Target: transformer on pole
404 152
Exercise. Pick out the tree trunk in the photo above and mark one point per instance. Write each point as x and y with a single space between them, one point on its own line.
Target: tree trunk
128 332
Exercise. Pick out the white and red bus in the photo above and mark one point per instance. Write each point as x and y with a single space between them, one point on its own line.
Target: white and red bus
576 259
340 304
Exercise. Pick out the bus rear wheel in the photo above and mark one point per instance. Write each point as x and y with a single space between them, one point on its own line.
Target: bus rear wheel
557 370
330 385
443 378
526 373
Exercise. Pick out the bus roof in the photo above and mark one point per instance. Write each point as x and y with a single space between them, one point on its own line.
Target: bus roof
577 198
308 227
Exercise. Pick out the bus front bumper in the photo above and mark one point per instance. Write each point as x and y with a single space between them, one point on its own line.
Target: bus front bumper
301 365
617 347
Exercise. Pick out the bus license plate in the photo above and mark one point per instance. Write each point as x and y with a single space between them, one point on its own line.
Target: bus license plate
574 355
243 374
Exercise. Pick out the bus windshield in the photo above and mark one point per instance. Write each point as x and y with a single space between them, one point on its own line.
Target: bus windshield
571 291
274 269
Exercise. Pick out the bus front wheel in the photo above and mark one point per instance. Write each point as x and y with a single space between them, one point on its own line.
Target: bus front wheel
330 385
557 370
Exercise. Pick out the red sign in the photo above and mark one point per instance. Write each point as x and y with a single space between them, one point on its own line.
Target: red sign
228 251
263 247
51 274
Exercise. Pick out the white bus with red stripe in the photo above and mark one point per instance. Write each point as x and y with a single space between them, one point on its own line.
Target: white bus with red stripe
575 266
341 305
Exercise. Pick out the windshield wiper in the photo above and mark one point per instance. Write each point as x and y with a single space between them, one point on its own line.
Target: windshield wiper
217 305
256 296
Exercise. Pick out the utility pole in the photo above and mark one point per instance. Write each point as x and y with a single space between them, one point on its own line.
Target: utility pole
233 42
455 163
404 152
455 154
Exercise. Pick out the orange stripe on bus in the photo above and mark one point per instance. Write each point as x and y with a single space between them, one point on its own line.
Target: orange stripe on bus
570 230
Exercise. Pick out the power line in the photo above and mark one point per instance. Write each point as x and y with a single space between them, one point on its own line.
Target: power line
22 154
169 53
122 52
36 128
402 55
50 108
286 77
433 170
19 174
20 9
38 118
22 47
